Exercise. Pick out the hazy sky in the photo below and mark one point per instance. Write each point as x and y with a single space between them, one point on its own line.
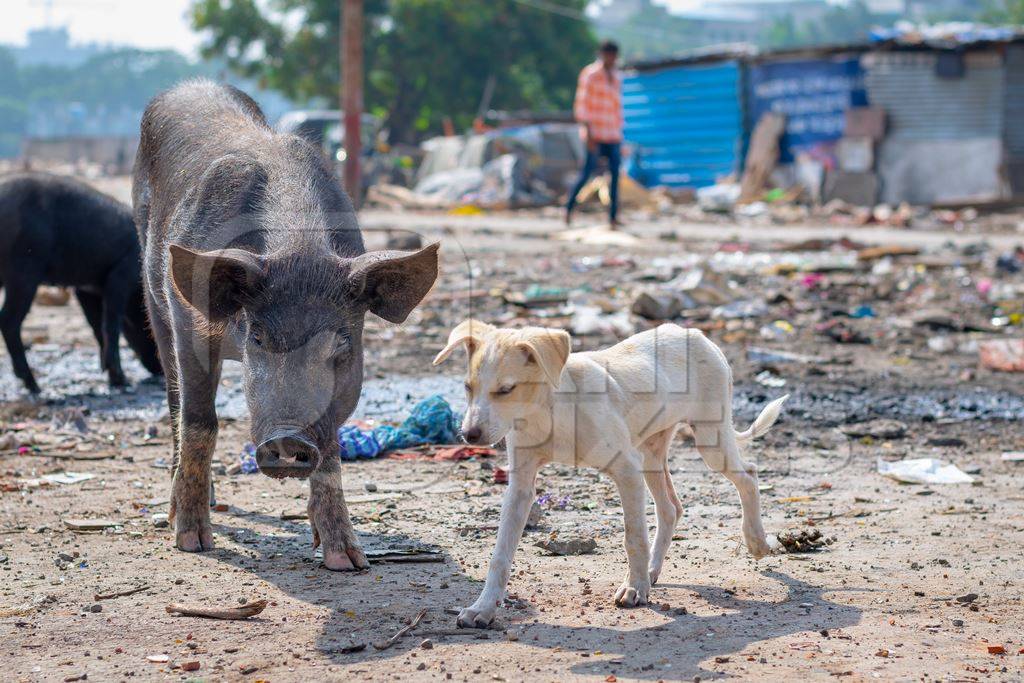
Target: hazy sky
141 23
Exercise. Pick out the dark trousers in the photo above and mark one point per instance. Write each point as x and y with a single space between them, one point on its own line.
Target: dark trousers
611 151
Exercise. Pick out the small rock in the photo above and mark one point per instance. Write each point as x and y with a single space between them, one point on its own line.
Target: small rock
536 514
370 487
427 644
570 546
96 607
190 666
958 622
967 599
160 520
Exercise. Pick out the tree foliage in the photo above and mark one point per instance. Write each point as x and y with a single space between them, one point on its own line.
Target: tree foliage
841 24
425 59
1004 12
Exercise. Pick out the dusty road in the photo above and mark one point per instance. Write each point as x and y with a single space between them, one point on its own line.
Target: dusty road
921 582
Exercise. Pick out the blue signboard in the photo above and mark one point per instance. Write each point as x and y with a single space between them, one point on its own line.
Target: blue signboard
813 94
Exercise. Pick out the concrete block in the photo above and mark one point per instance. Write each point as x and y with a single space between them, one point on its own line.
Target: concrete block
856 155
859 189
865 122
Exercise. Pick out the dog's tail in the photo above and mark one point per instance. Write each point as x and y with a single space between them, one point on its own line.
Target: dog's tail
764 421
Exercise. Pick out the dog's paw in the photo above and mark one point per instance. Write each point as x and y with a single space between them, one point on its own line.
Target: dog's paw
759 548
477 616
630 595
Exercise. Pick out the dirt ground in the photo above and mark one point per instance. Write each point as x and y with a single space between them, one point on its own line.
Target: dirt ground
921 582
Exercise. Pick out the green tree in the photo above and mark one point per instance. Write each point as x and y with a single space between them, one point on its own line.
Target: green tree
1004 12
425 59
840 24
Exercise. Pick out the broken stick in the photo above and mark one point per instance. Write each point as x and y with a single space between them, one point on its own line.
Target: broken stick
121 594
401 632
245 611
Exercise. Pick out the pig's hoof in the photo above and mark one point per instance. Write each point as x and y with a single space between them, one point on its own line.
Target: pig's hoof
347 560
194 541
632 596
476 617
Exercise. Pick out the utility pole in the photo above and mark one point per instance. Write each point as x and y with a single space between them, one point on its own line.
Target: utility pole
352 93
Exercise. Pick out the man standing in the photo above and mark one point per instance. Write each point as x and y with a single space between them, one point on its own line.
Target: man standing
598 109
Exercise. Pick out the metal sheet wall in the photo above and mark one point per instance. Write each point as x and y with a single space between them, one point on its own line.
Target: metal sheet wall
945 133
685 122
1014 116
924 106
814 94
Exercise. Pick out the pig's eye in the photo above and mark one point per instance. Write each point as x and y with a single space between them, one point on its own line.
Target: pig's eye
342 343
256 336
469 389
505 390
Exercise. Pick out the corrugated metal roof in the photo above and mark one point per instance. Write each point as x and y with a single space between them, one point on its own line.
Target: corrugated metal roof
686 123
924 106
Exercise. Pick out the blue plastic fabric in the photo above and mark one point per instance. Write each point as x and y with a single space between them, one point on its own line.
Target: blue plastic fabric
357 444
431 421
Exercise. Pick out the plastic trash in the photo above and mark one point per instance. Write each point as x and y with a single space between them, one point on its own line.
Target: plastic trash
1006 355
357 444
432 421
248 459
923 471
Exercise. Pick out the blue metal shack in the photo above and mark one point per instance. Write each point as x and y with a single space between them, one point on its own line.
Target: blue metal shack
813 93
685 121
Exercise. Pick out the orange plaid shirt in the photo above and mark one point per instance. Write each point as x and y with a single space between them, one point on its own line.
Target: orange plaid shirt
599 102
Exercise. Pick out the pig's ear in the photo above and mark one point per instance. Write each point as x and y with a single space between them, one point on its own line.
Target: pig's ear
216 283
468 333
547 348
392 283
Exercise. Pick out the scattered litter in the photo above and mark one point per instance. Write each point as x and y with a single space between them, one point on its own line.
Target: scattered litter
760 355
158 659
432 421
1015 456
249 609
767 378
91 524
878 429
1005 355
385 644
68 477
121 594
804 540
923 471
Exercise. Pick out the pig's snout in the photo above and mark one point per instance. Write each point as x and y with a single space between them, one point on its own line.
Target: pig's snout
287 454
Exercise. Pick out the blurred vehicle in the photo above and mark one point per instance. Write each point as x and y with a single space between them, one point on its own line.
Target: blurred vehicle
323 128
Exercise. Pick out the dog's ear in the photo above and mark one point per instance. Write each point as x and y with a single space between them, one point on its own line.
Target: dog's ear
468 333
547 348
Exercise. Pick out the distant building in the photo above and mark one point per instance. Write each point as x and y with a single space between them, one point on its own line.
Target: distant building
52 46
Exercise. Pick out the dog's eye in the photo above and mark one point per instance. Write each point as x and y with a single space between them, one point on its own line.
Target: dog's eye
505 390
256 336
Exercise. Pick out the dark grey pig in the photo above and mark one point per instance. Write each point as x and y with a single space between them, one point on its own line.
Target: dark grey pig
252 252
59 231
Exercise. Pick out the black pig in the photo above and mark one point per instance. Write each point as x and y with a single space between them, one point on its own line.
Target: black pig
252 252
59 231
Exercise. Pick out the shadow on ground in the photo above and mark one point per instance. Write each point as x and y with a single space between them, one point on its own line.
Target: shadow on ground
370 606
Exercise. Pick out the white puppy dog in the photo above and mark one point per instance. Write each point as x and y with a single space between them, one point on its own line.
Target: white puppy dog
616 410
